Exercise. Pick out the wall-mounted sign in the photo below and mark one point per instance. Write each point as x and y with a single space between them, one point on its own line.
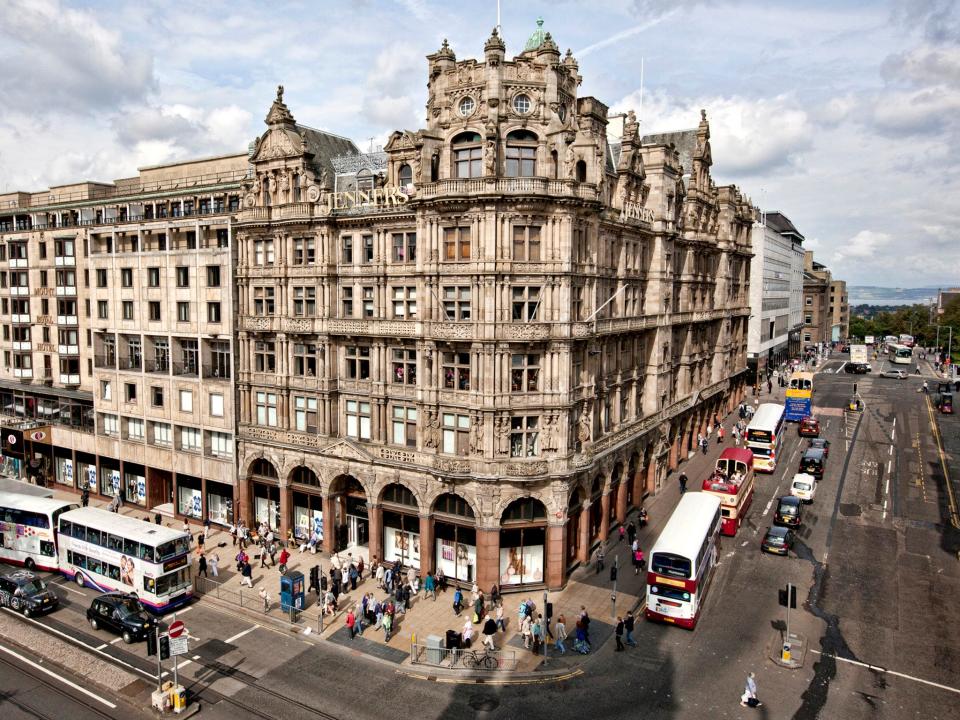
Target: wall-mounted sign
38 435
360 201
635 212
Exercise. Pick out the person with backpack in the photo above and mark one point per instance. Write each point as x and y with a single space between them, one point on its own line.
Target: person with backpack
354 576
246 575
457 601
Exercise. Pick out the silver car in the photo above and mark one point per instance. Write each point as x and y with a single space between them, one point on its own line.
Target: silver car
894 374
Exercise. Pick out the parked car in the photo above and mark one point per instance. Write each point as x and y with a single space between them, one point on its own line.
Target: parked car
788 511
813 462
120 613
809 427
820 444
945 403
804 486
25 592
857 368
777 540
893 374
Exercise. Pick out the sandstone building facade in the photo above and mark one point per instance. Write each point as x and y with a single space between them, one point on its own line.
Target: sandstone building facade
478 351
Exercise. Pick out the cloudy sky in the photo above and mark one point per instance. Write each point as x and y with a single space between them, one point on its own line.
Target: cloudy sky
843 115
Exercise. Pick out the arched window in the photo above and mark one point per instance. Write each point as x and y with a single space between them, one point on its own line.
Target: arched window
556 164
521 154
399 495
263 468
524 510
451 504
581 171
467 155
305 476
405 175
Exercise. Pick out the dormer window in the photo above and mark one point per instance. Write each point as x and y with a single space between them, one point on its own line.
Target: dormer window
466 107
467 155
521 154
405 175
522 104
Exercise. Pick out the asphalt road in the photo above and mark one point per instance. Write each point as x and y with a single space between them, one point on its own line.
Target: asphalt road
876 568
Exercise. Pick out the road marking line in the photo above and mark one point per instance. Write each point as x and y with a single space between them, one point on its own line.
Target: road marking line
164 674
890 672
241 634
101 647
80 643
891 450
59 677
66 586
893 435
842 365
184 664
115 640
889 464
894 422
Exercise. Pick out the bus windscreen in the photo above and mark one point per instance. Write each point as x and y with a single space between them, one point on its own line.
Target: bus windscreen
670 565
762 436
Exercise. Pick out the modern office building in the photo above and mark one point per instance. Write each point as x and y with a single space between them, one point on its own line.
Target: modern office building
479 348
776 294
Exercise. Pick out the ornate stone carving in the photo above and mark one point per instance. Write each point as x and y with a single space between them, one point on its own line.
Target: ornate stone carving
527 331
297 325
346 450
503 435
457 467
548 438
476 434
526 469
453 330
431 425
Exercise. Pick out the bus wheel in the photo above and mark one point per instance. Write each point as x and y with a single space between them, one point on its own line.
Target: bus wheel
79 579
30 564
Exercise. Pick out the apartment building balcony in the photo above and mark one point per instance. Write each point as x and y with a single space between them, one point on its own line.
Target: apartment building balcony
128 363
288 211
68 349
105 361
157 366
216 372
67 320
189 369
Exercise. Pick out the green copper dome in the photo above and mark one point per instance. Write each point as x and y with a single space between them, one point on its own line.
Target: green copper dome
536 39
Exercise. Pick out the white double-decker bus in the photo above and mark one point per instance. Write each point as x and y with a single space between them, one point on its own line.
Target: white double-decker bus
683 560
109 552
764 435
27 530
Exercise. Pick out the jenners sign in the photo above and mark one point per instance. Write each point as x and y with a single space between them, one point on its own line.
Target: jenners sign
360 201
635 212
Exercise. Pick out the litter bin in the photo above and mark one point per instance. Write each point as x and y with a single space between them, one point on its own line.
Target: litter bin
291 590
453 640
434 649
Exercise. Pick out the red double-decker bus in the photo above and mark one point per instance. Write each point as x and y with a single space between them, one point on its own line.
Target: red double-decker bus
732 482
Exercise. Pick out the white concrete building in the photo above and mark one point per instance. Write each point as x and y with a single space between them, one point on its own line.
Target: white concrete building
776 293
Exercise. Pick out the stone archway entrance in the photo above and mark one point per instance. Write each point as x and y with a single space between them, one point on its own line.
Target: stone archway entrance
346 515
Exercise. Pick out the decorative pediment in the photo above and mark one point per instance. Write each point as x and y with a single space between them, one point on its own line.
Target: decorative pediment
347 450
278 143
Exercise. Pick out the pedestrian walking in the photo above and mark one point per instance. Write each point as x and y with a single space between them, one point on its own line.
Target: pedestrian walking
683 483
498 614
619 634
637 561
246 575
457 601
215 565
585 622
206 529
489 630
769 387
631 532
429 587
599 558
201 538
202 566
536 634
628 625
720 434
387 627
265 598
561 634
85 497
749 697
351 623
526 630
703 445
156 518
623 533
700 440
284 559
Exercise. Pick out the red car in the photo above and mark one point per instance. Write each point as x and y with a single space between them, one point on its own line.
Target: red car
809 427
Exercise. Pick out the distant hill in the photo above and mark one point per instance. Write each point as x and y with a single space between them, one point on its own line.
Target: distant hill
873 295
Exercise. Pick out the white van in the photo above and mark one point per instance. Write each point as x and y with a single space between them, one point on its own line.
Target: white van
804 486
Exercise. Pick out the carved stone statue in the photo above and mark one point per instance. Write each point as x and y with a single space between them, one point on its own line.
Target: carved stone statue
550 433
432 427
417 168
324 179
279 93
585 425
476 435
490 157
503 436
570 162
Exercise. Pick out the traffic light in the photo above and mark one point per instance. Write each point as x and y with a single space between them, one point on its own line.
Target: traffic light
314 579
789 593
164 647
549 610
151 644
613 573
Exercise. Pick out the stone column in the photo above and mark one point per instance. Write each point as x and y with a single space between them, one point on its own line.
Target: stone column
651 475
674 449
555 552
426 545
622 500
488 557
243 503
329 524
286 511
604 516
638 486
583 547
375 541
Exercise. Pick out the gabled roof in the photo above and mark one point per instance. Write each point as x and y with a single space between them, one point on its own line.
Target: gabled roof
780 223
324 146
684 140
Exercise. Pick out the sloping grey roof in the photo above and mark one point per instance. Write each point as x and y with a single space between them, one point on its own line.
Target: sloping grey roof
780 223
324 146
684 140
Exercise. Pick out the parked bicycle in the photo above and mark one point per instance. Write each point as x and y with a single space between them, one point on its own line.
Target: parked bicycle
473 660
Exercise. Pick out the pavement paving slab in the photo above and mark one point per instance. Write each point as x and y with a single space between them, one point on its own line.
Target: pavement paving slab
368 647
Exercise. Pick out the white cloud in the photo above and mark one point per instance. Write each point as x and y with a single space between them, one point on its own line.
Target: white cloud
865 244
